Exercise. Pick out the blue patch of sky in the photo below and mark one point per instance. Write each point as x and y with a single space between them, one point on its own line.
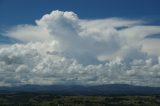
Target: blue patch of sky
154 36
7 40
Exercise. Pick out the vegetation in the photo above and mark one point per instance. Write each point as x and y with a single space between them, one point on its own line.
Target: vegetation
46 99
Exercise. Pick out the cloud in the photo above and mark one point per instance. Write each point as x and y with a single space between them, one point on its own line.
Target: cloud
32 64
30 33
151 46
63 49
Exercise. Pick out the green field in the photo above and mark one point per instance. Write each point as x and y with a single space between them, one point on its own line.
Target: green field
35 99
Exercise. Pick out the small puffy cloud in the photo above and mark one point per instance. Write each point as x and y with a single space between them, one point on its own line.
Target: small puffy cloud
64 49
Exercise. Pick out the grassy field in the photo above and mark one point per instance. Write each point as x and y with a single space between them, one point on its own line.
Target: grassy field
35 99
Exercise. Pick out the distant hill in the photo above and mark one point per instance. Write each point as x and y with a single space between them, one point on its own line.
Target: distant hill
111 89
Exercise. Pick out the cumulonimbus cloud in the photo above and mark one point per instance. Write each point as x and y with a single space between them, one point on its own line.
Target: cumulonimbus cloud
63 49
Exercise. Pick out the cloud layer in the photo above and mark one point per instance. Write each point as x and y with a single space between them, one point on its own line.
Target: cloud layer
63 49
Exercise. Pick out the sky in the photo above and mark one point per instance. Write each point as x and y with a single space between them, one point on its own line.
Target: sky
82 42
26 11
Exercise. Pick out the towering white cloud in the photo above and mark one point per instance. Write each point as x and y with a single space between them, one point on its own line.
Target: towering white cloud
63 49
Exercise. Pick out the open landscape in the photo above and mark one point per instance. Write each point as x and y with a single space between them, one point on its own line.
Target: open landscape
49 99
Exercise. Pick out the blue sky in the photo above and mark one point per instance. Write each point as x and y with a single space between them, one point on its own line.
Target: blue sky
88 42
13 12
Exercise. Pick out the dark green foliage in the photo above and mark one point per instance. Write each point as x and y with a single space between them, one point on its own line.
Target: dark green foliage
44 99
